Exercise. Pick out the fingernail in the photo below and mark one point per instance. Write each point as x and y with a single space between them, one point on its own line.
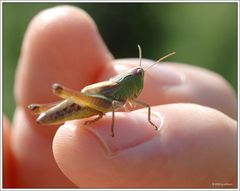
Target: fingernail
165 75
131 130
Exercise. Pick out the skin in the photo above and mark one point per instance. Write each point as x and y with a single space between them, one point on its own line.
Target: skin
195 108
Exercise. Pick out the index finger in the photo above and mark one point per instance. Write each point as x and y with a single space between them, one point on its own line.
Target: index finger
61 45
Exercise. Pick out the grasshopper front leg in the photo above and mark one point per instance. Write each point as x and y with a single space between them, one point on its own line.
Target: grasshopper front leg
149 111
115 105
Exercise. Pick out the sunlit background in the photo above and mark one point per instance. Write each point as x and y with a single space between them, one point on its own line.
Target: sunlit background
202 34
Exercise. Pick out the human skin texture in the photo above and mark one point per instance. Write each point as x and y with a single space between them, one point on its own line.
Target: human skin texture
195 109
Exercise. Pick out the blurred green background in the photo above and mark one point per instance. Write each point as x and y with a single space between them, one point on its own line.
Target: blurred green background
203 34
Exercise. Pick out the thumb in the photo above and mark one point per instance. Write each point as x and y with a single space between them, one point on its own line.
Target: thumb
184 152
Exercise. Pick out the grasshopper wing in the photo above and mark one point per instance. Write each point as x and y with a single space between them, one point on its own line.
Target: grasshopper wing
106 89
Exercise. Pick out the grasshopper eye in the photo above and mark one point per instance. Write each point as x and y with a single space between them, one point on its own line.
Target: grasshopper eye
140 72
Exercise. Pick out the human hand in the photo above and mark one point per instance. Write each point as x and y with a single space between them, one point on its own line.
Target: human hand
195 109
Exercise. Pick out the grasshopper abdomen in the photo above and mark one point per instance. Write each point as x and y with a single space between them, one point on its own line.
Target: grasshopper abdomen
65 110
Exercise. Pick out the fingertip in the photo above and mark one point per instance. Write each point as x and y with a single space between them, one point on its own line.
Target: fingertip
58 44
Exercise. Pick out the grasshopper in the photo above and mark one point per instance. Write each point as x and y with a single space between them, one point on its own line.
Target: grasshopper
96 99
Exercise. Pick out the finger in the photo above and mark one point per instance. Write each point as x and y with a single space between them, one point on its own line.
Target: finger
185 152
8 160
62 44
172 83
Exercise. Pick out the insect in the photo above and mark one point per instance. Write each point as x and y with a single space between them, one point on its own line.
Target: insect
96 99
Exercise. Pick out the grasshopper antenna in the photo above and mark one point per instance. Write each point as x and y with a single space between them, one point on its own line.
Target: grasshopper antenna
140 55
160 59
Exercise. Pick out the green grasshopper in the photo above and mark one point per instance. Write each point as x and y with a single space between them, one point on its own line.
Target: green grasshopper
96 99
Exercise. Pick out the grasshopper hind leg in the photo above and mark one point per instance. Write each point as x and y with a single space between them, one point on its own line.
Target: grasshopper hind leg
40 108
